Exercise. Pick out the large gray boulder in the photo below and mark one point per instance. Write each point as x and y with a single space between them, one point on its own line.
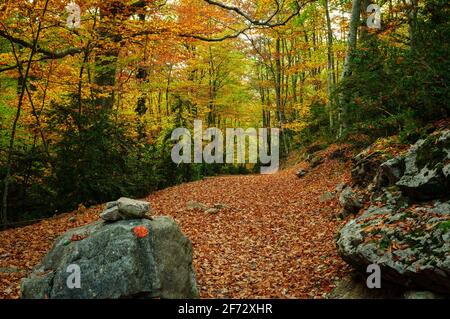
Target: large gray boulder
115 262
411 245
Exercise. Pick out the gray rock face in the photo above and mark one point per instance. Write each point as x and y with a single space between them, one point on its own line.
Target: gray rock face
423 173
340 187
125 208
412 245
111 214
365 166
349 201
353 286
116 263
406 230
390 172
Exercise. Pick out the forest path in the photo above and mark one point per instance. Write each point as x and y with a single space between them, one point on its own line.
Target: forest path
273 240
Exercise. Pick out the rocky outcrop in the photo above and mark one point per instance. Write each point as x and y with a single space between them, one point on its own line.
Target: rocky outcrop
422 173
135 258
389 173
411 245
426 172
350 201
406 229
353 286
365 166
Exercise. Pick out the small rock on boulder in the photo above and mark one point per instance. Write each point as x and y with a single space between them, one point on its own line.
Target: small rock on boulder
126 208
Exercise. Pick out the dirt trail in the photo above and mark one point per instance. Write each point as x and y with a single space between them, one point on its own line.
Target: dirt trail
274 239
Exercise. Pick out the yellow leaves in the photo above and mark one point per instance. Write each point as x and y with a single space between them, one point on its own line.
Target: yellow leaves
295 126
7 59
302 109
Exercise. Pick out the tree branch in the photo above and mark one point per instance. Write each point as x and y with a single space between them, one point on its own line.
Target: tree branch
49 54
218 39
255 22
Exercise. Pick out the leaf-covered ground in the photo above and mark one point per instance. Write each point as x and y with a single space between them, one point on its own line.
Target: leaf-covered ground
274 239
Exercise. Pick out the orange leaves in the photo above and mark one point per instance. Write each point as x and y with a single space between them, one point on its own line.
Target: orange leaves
140 231
78 237
273 240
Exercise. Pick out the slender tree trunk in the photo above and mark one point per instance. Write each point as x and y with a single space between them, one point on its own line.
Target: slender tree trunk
278 80
347 69
412 23
142 74
278 93
169 81
331 78
352 35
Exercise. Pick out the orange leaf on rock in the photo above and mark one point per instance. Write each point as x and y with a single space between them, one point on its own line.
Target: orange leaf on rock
140 231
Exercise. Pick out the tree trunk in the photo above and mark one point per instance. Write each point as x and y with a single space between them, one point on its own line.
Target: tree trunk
412 23
331 78
347 69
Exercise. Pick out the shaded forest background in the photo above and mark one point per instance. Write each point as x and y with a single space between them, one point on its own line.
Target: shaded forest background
86 113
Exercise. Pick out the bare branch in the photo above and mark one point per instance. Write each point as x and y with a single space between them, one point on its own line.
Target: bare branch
254 23
264 23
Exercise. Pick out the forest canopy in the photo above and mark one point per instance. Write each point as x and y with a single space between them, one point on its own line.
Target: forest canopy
88 103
